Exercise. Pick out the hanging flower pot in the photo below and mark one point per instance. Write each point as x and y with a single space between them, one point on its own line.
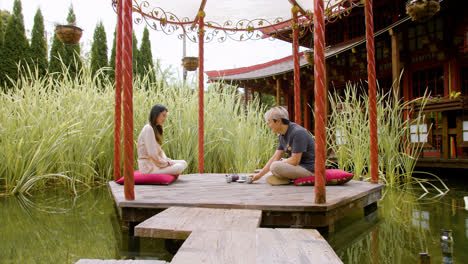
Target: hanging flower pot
68 34
309 56
421 10
190 63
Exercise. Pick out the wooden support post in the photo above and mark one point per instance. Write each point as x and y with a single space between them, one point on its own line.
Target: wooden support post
454 75
446 79
297 80
278 88
374 150
118 95
445 136
395 62
245 95
320 101
424 258
201 39
128 100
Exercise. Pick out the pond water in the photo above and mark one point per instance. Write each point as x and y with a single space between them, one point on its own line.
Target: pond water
57 227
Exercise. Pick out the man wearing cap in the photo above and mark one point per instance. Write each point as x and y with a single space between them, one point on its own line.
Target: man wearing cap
295 141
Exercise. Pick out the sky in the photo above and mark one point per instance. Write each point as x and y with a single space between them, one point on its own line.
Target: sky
166 48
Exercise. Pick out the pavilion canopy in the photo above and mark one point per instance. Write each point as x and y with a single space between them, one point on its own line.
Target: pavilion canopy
227 14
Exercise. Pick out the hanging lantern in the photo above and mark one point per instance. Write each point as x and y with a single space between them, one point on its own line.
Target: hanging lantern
421 10
190 63
68 34
309 56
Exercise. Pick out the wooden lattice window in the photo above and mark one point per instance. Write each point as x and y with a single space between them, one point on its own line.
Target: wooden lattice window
418 133
424 34
465 131
334 33
434 122
431 80
384 15
356 27
340 136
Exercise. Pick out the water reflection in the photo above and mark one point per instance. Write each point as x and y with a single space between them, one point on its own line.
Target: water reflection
421 219
466 227
446 242
405 227
56 227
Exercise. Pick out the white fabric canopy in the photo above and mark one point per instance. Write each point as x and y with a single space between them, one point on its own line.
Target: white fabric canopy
227 13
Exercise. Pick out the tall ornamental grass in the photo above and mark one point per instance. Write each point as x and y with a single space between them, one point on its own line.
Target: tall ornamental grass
59 129
348 135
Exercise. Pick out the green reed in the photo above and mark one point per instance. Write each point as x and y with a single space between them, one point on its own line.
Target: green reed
59 129
349 123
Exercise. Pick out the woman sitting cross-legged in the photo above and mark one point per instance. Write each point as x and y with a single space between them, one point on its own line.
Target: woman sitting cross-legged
151 157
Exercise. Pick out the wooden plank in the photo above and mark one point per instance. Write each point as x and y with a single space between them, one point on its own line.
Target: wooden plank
179 222
118 261
293 246
214 247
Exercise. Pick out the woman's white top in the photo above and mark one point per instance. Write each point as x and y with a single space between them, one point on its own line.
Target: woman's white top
150 153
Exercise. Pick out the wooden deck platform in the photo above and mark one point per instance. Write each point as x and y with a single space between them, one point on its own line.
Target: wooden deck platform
232 236
286 205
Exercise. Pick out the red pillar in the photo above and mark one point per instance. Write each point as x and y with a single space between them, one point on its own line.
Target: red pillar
297 81
320 100
128 100
201 34
118 93
374 151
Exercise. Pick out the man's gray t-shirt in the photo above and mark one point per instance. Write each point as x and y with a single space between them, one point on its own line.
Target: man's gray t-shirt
298 140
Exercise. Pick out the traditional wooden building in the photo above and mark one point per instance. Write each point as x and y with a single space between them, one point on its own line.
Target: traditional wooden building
430 55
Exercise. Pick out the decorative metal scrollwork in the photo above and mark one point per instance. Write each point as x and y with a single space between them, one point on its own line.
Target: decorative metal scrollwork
158 19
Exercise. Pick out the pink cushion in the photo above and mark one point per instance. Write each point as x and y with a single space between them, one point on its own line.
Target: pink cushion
333 177
150 178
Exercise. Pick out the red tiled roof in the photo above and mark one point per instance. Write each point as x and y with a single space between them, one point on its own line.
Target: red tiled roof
220 73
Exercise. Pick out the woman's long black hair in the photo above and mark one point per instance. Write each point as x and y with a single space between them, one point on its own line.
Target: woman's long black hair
158 130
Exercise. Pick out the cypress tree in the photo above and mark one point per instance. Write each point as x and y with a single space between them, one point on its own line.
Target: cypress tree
71 55
112 58
1 50
1 34
113 51
4 17
56 54
15 47
135 54
145 58
38 50
99 49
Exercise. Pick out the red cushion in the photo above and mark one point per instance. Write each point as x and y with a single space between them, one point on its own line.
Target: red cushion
333 177
150 178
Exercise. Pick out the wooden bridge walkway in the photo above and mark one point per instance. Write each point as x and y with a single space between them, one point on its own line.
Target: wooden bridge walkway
233 236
